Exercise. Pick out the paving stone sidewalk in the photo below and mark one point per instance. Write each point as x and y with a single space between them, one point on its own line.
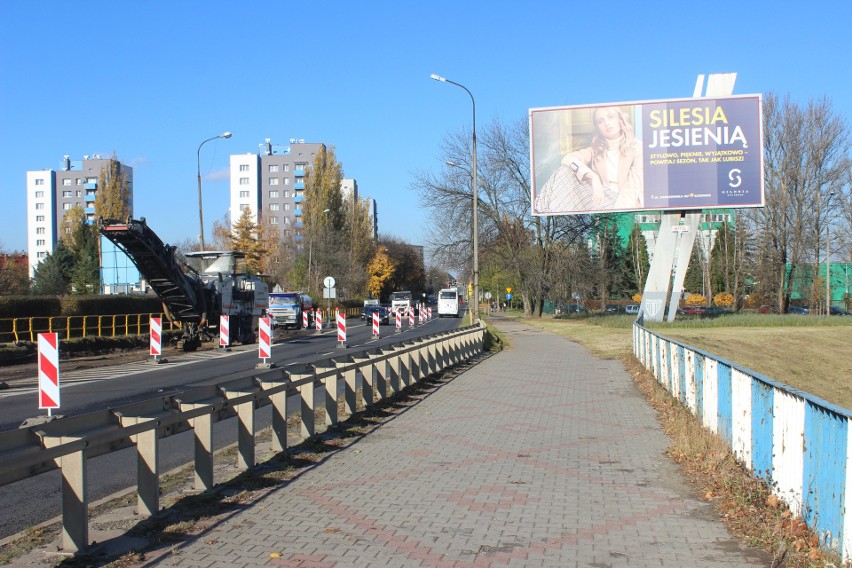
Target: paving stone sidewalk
540 456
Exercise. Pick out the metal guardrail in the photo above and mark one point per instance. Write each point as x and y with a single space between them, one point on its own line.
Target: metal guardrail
66 444
797 443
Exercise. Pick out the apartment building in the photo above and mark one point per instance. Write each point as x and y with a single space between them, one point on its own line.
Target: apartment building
51 194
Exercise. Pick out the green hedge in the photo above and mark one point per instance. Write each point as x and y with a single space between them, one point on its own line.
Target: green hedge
90 305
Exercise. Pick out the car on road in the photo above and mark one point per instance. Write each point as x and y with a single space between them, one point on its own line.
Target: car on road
694 310
798 310
632 309
368 311
613 309
835 311
768 309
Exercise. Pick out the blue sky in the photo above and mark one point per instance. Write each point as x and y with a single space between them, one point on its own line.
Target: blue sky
149 81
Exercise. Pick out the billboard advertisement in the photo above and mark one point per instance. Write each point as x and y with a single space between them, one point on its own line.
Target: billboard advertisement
673 154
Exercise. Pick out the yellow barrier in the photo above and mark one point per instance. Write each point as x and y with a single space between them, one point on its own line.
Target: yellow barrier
71 327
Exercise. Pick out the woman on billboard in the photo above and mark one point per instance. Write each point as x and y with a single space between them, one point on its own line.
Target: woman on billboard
607 175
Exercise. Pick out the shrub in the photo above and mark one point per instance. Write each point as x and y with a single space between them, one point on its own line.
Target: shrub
724 299
696 300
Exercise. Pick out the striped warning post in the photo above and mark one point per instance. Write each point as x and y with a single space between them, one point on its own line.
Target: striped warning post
224 331
398 315
318 320
48 371
375 324
341 329
305 320
264 338
411 316
156 337
429 313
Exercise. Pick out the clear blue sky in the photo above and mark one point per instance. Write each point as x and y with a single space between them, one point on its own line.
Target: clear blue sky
150 80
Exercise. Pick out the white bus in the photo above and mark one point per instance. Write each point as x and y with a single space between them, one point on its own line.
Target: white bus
448 303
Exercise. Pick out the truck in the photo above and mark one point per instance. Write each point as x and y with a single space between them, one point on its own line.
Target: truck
287 308
196 288
400 301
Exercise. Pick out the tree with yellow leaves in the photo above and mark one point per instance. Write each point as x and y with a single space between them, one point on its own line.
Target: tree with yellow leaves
380 270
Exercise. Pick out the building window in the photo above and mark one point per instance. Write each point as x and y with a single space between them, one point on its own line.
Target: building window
300 179
244 193
273 220
273 194
79 181
286 207
39 182
287 193
67 194
244 181
286 220
274 207
39 205
67 206
245 206
41 254
287 181
39 218
273 181
40 242
91 180
39 230
90 217
286 167
66 182
39 194
244 167
273 168
79 193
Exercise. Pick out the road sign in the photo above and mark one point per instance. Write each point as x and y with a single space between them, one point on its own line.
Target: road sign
508 290
488 295
328 282
508 296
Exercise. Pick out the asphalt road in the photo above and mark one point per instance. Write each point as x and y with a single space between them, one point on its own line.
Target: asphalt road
27 503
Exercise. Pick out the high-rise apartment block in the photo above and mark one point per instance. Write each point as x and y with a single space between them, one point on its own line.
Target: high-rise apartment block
273 181
51 194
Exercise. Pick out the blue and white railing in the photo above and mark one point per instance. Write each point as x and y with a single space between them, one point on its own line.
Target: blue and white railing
796 442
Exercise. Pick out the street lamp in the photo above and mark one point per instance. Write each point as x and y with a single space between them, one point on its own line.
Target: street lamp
198 166
827 259
475 191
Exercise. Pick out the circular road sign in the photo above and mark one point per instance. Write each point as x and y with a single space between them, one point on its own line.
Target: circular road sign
328 282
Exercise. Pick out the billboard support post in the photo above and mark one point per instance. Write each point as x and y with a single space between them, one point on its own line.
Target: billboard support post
674 249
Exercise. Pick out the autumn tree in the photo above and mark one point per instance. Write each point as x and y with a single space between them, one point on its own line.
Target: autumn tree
380 270
14 274
247 237
113 199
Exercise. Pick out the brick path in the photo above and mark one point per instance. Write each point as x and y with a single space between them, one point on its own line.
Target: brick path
540 456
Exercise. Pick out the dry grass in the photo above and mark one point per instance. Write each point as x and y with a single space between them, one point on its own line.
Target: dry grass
743 502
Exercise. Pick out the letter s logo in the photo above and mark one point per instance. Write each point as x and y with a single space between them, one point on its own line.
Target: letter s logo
734 176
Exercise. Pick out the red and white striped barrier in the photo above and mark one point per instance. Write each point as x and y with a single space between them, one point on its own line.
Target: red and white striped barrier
375 324
398 316
318 320
410 316
156 338
264 338
341 329
224 331
306 320
48 371
429 313
421 314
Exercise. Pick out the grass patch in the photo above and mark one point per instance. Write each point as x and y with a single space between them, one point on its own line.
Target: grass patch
744 503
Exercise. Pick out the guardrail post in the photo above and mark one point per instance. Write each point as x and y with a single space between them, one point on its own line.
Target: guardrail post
147 465
405 365
423 352
350 388
307 407
368 379
331 390
75 501
202 431
279 415
245 428
381 374
393 370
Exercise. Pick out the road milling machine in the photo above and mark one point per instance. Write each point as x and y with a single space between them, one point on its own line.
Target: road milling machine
195 288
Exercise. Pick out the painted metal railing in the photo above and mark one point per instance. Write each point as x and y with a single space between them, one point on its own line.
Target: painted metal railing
796 442
66 444
72 327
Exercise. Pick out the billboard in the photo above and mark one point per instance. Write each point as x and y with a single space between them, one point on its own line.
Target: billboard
672 154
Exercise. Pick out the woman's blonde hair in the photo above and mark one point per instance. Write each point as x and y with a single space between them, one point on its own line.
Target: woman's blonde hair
627 141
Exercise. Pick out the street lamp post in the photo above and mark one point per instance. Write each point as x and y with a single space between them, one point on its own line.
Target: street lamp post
198 166
475 191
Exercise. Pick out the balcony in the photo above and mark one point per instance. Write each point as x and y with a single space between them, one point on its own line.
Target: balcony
297 238
299 185
297 212
92 185
299 198
300 172
298 224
